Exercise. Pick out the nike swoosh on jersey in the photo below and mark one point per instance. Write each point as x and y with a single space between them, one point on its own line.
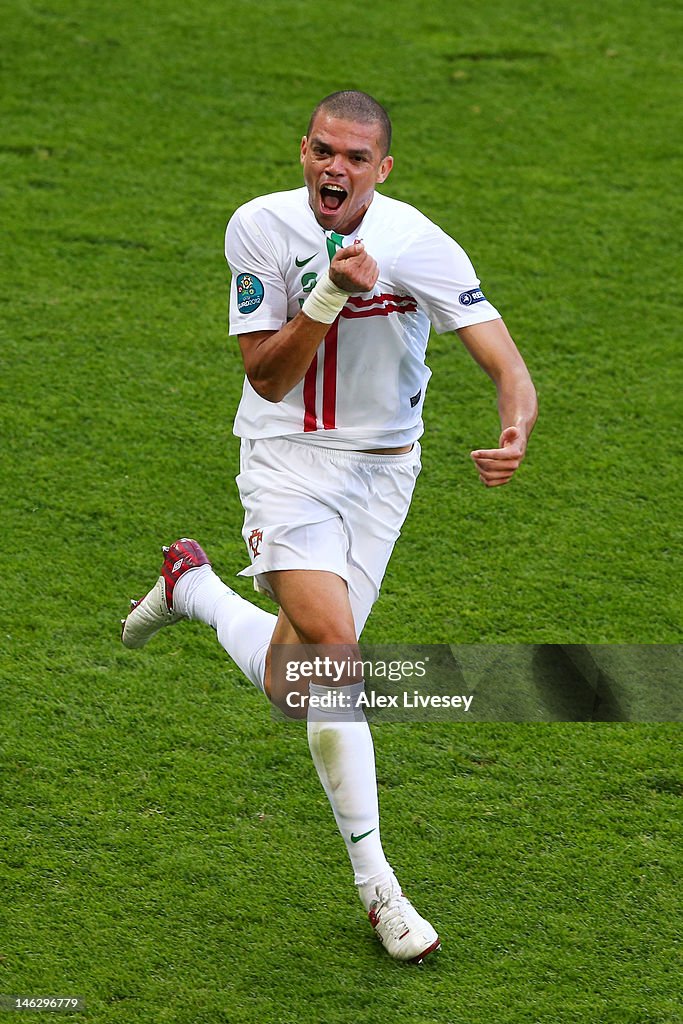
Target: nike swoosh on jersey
302 263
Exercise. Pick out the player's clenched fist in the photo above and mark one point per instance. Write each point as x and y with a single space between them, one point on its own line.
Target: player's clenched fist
497 465
354 269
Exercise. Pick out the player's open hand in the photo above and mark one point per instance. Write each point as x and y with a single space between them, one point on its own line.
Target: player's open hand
354 269
497 466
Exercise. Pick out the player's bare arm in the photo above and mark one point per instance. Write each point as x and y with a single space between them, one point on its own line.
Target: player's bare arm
491 345
275 361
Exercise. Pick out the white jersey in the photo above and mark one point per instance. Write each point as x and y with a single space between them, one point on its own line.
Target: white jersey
366 385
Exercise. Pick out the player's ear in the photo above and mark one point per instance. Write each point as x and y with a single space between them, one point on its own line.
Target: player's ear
304 147
385 169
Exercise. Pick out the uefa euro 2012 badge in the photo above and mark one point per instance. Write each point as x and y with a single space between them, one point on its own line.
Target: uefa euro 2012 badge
249 293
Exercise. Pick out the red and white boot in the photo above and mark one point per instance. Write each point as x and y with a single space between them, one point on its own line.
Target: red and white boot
403 933
155 610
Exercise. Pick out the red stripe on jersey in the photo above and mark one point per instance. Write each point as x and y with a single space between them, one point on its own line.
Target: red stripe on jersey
330 377
356 314
355 300
310 419
356 308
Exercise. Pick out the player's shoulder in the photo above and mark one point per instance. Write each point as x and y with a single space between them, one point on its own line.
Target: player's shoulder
274 204
402 215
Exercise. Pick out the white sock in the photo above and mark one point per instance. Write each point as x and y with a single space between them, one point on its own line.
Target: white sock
242 629
341 747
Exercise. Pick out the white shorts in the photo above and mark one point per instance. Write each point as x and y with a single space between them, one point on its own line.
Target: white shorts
307 507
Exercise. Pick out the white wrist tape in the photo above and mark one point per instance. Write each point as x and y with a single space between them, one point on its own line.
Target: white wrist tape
325 302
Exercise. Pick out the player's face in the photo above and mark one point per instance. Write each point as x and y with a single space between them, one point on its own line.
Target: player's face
342 161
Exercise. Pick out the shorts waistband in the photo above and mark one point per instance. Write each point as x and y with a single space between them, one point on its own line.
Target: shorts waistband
352 455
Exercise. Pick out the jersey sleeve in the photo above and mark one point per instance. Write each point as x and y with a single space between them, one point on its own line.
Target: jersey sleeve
258 296
438 273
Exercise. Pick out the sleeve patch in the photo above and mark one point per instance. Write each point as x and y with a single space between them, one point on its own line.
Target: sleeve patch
250 293
470 297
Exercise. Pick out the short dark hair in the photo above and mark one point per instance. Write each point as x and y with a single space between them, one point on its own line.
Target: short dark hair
352 105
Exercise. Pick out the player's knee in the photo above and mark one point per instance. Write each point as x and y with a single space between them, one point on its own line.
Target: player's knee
328 634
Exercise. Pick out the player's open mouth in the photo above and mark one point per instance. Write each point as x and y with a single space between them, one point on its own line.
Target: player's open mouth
331 197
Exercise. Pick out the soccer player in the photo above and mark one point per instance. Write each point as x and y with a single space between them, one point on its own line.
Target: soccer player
334 288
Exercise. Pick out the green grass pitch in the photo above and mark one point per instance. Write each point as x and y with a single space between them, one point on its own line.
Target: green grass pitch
166 852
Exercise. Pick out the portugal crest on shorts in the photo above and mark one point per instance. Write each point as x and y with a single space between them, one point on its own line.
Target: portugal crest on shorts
255 538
